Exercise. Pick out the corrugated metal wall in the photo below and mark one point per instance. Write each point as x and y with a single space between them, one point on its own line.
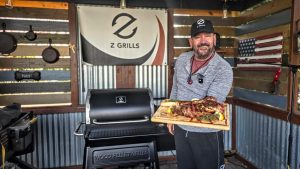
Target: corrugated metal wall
228 134
96 77
263 140
153 77
55 144
104 77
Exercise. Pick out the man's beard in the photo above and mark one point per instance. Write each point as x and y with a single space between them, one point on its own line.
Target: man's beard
202 55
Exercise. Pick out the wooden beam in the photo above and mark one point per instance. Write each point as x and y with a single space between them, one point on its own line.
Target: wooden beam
269 8
73 53
196 12
266 110
42 13
222 30
258 75
259 85
228 52
54 109
294 58
285 29
15 63
37 4
38 99
171 51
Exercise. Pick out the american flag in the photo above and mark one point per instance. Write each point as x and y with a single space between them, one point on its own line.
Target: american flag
256 53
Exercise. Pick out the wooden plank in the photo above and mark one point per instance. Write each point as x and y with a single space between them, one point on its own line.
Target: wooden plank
217 21
35 99
14 63
278 101
74 55
183 42
24 50
125 77
259 85
222 30
265 10
37 87
51 109
197 12
37 4
43 38
45 75
228 52
258 75
294 53
267 110
18 25
285 29
170 50
19 12
277 19
161 116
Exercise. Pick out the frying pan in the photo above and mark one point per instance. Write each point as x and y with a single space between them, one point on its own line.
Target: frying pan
50 54
8 43
30 35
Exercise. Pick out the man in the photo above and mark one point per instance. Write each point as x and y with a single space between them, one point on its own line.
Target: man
198 74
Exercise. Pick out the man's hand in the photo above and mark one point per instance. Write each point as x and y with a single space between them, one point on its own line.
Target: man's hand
171 128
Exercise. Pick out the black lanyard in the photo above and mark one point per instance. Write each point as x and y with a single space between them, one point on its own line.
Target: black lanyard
199 76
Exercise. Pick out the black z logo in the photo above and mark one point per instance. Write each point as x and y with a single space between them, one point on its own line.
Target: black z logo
132 19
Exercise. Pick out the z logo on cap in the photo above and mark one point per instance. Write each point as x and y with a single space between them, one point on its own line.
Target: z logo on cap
200 22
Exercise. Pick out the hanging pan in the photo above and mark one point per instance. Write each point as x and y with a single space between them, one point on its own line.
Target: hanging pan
50 54
8 43
30 35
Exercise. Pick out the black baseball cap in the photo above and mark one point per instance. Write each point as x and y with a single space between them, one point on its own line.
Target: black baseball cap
202 25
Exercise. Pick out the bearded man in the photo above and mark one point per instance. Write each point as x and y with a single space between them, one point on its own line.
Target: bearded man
198 74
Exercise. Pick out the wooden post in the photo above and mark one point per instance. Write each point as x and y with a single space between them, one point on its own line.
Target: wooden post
73 54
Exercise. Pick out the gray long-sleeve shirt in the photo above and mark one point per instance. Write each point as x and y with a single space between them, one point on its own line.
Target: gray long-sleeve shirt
217 82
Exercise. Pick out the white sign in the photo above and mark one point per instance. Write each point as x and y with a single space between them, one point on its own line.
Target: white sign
114 36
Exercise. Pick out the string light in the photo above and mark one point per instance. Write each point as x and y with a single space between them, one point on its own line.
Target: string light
123 4
225 9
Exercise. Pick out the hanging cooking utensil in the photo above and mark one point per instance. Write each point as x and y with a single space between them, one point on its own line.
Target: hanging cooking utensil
8 43
50 54
30 35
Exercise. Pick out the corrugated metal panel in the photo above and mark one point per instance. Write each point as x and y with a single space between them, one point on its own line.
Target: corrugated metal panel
55 145
263 140
153 77
96 77
228 134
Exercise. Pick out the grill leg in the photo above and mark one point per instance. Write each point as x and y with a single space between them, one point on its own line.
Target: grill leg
84 156
156 160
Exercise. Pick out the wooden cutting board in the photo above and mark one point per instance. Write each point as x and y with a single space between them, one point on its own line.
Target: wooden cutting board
161 116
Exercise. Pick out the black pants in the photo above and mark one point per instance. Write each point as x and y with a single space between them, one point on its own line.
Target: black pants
199 150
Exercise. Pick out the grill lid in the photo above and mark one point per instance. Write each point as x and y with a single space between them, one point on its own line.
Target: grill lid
117 105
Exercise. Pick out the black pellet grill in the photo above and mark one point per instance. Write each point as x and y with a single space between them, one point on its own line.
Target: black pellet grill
118 131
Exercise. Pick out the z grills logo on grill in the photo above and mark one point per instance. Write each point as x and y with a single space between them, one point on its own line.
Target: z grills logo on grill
120 99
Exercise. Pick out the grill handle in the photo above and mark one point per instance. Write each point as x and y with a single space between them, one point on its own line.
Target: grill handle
76 132
121 122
